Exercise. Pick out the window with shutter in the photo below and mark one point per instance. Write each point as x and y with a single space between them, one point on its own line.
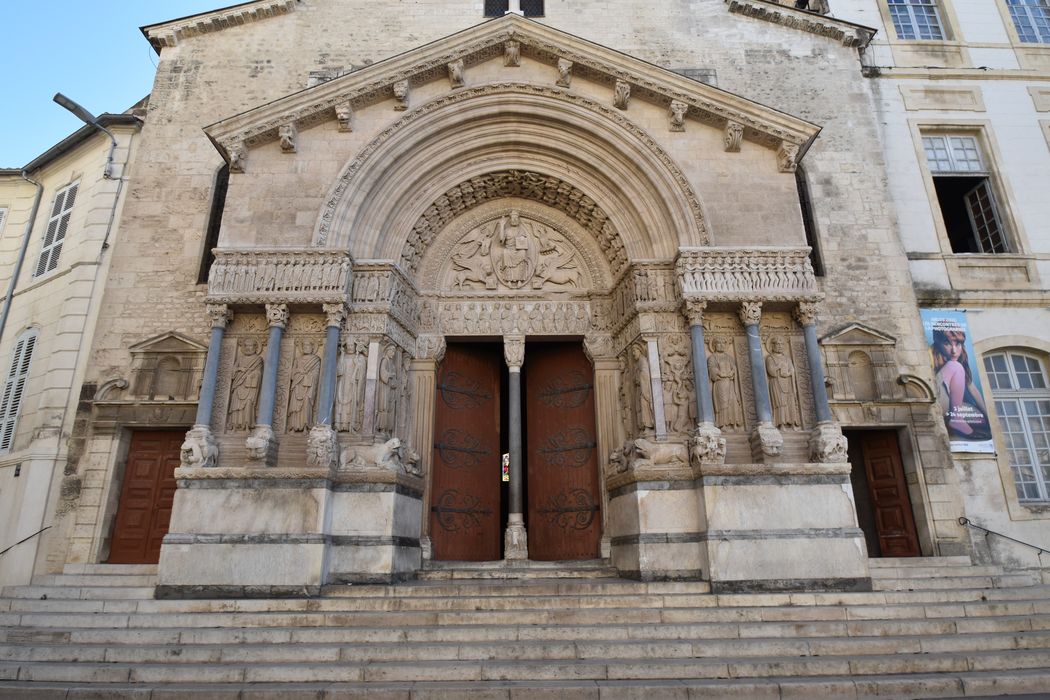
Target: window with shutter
14 387
3 219
57 228
965 194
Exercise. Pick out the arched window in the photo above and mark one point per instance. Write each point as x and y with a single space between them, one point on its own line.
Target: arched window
809 222
1022 400
862 376
498 8
14 387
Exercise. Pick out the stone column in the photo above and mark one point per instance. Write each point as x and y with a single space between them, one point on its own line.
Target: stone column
430 350
708 443
200 448
261 444
826 443
322 446
656 387
608 423
515 542
766 440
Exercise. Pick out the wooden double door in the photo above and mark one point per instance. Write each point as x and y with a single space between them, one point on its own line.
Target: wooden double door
469 499
146 498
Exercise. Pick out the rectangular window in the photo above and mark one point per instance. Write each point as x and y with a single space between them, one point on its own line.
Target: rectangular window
916 19
965 194
498 8
1019 387
57 227
14 388
3 219
1031 19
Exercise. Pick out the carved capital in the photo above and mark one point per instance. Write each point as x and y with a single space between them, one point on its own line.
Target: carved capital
220 314
288 135
828 444
597 346
678 110
621 94
431 347
344 114
750 313
456 76
512 54
334 314
514 350
806 313
564 73
277 315
787 157
734 135
401 95
694 311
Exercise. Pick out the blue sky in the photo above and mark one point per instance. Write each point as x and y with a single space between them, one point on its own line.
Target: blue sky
90 50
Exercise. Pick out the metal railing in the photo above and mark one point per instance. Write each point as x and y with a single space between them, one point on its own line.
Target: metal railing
970 523
23 541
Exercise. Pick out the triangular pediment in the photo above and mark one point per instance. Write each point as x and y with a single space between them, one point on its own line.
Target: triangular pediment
495 40
170 342
171 32
857 334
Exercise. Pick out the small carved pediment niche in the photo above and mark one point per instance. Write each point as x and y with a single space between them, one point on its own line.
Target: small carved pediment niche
514 252
862 363
167 367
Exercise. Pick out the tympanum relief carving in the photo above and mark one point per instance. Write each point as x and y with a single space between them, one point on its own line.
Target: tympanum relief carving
513 252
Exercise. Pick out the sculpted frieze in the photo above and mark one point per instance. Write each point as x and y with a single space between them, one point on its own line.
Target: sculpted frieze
380 287
490 317
743 274
309 275
348 176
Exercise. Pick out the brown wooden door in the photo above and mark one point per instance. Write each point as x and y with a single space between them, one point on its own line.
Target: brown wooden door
465 484
888 491
564 512
144 511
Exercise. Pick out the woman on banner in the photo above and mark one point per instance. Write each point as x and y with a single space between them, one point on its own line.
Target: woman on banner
960 399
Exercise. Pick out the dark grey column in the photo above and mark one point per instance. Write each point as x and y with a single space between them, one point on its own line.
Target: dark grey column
704 404
515 542
220 316
326 400
277 316
806 314
750 315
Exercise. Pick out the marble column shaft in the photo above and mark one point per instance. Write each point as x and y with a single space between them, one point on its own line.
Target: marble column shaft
816 374
704 403
759 381
205 403
278 317
329 370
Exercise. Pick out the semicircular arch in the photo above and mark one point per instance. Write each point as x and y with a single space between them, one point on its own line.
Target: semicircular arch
383 193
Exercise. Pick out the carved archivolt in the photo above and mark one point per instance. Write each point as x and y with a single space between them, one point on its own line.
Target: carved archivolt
523 184
346 182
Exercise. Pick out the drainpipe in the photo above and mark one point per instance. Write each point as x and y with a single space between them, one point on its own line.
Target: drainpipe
22 252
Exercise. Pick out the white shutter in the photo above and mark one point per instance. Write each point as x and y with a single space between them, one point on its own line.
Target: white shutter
57 227
980 205
14 387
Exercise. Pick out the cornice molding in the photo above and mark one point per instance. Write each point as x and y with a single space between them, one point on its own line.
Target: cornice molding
763 125
170 33
848 33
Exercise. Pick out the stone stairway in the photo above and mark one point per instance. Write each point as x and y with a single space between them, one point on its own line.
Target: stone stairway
96 631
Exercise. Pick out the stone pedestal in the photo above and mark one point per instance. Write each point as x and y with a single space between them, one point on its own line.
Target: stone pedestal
515 539
262 447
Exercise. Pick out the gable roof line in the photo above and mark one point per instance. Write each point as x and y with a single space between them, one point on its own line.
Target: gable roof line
850 34
260 125
170 32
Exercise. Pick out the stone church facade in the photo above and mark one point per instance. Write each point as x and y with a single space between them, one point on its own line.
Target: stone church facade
445 239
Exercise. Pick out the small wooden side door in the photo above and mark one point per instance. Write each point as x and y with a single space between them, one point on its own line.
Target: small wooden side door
144 511
564 512
890 503
466 478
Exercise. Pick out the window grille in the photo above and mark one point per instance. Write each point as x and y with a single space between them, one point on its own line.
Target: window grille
916 19
498 8
14 387
1022 401
57 227
1031 19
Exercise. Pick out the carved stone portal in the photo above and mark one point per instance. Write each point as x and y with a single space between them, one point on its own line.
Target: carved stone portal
513 253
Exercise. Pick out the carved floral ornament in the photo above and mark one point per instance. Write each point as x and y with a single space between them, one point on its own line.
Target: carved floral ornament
514 38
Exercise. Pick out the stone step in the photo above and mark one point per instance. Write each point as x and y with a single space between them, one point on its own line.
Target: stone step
584 649
928 571
123 580
503 573
956 582
78 592
111 569
974 684
524 670
880 562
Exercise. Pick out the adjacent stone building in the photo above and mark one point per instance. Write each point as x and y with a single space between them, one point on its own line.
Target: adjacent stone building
649 253
58 220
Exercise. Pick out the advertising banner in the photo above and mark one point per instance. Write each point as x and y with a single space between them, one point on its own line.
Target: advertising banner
958 384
